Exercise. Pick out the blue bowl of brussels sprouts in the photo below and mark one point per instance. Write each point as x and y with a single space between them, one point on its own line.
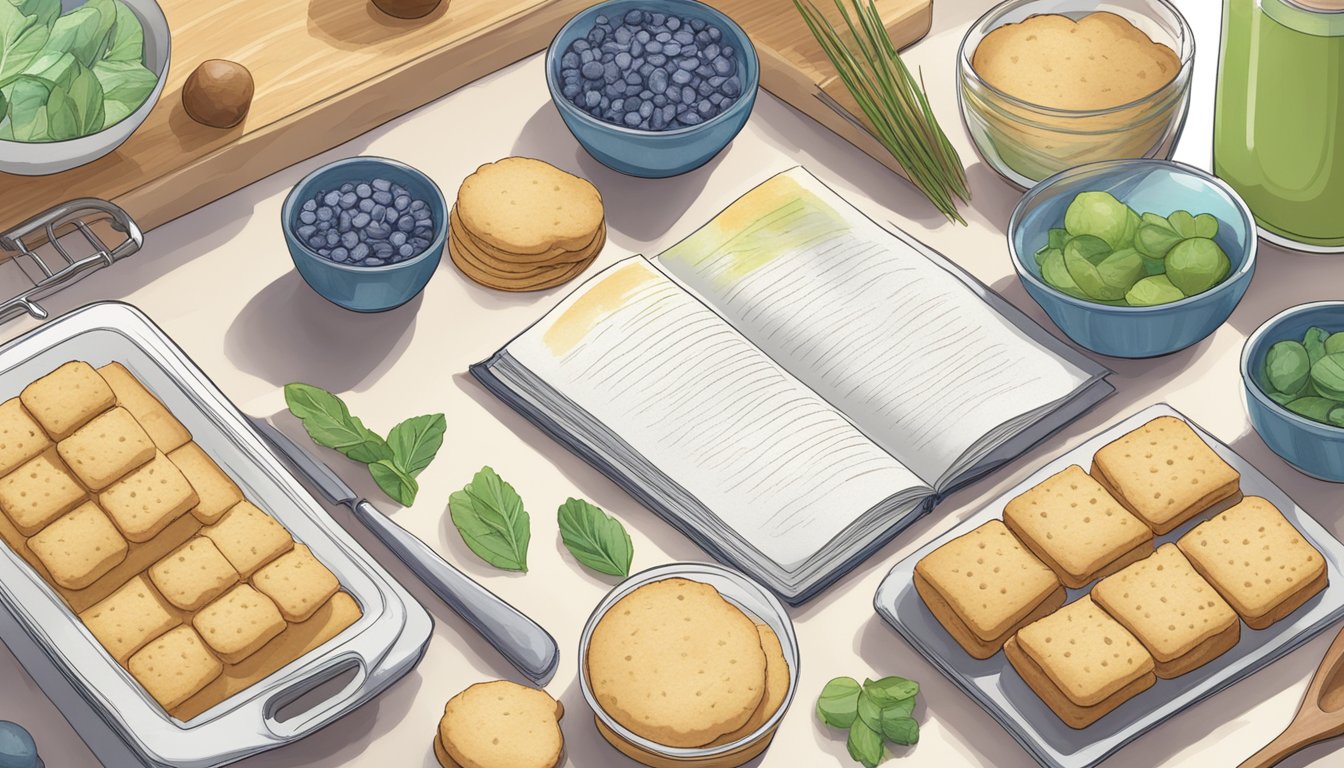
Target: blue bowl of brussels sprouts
696 127
1134 258
1293 372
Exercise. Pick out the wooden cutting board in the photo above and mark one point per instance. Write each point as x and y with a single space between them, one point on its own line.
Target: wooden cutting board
327 71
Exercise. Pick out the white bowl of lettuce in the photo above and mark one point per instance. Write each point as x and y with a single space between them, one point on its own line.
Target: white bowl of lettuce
77 79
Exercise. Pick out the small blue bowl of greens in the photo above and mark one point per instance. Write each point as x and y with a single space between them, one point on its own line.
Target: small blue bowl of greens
1293 371
1134 258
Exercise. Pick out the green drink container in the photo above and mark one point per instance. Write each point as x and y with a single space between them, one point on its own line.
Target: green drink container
1278 135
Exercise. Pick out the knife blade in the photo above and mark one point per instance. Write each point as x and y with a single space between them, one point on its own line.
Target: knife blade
518 638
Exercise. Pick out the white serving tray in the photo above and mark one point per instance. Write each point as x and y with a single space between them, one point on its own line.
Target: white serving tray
997 687
384 644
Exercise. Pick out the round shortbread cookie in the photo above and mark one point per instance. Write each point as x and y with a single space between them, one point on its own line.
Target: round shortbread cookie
501 724
521 260
677 664
561 276
512 272
526 206
776 687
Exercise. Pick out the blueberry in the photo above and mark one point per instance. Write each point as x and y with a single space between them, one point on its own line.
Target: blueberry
343 221
333 239
324 252
332 198
658 81
349 199
339 254
363 190
684 37
673 22
359 252
365 205
391 216
360 220
381 185
570 60
722 66
681 76
419 243
672 48
690 118
325 213
306 231
417 205
348 186
381 249
379 212
310 205
397 238
687 95
697 24
317 241
382 197
378 231
406 250
714 32
634 17
307 217
688 64
654 47
592 70
406 223
349 239
373 262
423 232
732 86
592 99
632 119
402 202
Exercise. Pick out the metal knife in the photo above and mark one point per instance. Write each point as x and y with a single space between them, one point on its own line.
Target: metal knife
519 639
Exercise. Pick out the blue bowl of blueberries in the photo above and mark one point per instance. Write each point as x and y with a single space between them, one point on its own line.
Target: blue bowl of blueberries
653 88
366 233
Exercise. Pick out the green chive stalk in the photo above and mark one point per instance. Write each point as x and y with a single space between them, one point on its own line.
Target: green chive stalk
893 100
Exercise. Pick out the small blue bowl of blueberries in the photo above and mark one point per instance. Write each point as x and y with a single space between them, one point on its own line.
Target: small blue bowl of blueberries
366 233
653 88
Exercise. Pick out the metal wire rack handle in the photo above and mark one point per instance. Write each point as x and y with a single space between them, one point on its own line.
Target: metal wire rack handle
49 227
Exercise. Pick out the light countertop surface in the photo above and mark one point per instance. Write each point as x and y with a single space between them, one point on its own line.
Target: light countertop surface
220 282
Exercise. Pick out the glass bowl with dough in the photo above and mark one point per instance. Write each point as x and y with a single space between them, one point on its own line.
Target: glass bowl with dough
1047 85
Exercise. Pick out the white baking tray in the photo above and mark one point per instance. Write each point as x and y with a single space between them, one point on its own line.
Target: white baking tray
384 644
997 687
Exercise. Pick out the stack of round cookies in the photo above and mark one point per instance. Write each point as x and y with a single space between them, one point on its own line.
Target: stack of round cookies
677 664
524 225
500 725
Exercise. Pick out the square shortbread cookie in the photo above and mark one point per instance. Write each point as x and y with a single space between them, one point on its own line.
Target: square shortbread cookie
67 398
238 624
297 582
104 450
21 437
79 547
162 427
145 501
174 666
130 618
39 492
193 575
216 490
249 538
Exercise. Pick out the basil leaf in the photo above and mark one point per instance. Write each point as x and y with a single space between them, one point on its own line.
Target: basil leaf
890 690
399 486
28 108
330 424
1335 343
1183 222
127 41
126 85
595 538
415 441
46 11
900 730
1327 375
22 37
83 31
1206 225
865 744
1314 342
870 712
62 115
903 708
839 701
490 517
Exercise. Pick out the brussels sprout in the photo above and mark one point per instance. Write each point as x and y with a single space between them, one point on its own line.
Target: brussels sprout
1055 242
1057 276
1101 274
1155 240
1287 367
1335 343
1314 341
1327 375
1132 222
1153 290
1206 226
1098 214
1183 223
1196 265
1314 408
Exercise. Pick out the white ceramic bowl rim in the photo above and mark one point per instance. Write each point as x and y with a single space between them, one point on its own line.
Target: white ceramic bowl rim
1044 187
1178 85
289 206
720 18
1253 382
671 571
154 93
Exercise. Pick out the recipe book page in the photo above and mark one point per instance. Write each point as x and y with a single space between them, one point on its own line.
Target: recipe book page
657 368
905 349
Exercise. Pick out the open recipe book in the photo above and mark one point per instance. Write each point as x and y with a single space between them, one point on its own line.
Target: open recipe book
793 384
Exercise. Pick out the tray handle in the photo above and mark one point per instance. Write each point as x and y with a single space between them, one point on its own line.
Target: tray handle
322 712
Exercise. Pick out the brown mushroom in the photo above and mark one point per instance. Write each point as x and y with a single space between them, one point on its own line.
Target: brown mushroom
218 93
407 9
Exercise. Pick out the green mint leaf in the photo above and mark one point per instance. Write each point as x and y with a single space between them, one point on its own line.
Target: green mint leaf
490 517
595 538
903 708
415 442
127 41
22 38
839 702
890 690
865 744
330 424
399 486
870 712
900 730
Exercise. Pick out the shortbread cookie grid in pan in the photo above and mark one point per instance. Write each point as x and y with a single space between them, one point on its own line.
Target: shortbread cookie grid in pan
189 586
1151 613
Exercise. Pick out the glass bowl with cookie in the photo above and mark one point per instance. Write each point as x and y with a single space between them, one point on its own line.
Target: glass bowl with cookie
1292 368
1046 85
718 648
